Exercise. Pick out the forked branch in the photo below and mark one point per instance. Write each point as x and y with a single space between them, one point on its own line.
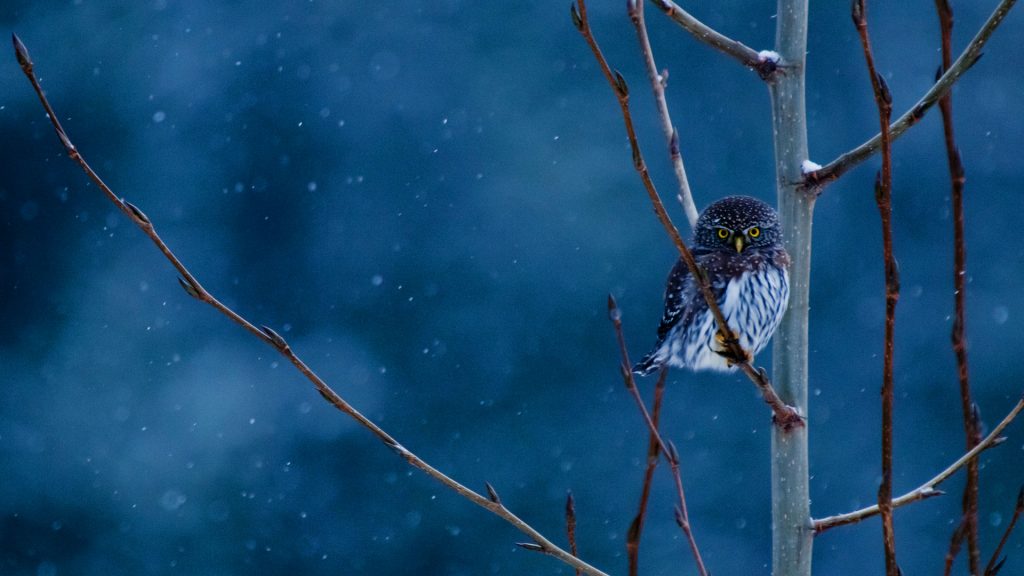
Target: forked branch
929 488
783 415
669 450
192 286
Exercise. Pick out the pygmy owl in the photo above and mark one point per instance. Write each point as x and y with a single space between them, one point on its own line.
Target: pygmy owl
738 243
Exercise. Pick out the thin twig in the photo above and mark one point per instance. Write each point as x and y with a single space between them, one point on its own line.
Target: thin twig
956 176
269 336
669 450
784 416
765 67
636 527
928 489
570 526
658 82
824 176
883 197
955 541
994 564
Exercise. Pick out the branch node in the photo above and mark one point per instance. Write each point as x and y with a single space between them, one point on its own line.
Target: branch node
614 314
492 494
274 338
577 21
621 86
189 288
673 454
137 214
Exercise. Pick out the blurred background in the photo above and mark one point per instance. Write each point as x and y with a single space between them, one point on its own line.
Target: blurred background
431 201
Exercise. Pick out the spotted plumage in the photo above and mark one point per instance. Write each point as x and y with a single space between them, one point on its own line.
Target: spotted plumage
738 243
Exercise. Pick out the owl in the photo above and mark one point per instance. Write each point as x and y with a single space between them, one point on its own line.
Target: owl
738 243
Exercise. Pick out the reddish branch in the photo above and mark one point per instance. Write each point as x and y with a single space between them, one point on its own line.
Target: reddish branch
570 526
995 563
192 286
883 197
955 541
956 177
824 176
636 528
668 449
784 416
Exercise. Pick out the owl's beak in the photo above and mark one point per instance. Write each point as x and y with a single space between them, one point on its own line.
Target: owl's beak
740 244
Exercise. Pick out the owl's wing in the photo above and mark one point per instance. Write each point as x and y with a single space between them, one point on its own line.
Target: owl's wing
679 299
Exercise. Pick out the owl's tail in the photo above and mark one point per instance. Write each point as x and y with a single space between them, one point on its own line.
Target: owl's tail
649 364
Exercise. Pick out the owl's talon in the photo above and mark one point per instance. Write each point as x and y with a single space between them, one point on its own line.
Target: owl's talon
732 354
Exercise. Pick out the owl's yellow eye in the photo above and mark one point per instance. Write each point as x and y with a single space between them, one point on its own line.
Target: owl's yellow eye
723 233
754 232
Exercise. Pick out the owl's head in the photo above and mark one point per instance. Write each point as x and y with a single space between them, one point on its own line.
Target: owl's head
738 223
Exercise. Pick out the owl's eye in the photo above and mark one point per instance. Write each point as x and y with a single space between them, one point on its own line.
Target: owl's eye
723 233
754 232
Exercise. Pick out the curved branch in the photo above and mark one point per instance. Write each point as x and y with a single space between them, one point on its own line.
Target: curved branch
928 489
825 175
269 336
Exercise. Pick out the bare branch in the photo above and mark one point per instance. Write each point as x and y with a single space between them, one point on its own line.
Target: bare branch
682 517
969 525
636 527
955 541
783 415
658 82
818 179
883 197
269 336
929 488
570 526
765 67
994 564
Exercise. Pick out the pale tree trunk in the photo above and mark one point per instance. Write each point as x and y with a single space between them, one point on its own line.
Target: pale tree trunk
792 534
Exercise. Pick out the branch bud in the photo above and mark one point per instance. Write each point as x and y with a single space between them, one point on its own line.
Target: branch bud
274 338
530 546
189 288
883 88
21 52
577 20
620 85
857 12
680 520
137 214
673 454
492 494
614 314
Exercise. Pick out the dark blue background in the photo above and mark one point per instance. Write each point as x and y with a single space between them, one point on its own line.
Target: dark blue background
430 201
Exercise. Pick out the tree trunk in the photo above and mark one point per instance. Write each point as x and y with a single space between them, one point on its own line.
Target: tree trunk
792 530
